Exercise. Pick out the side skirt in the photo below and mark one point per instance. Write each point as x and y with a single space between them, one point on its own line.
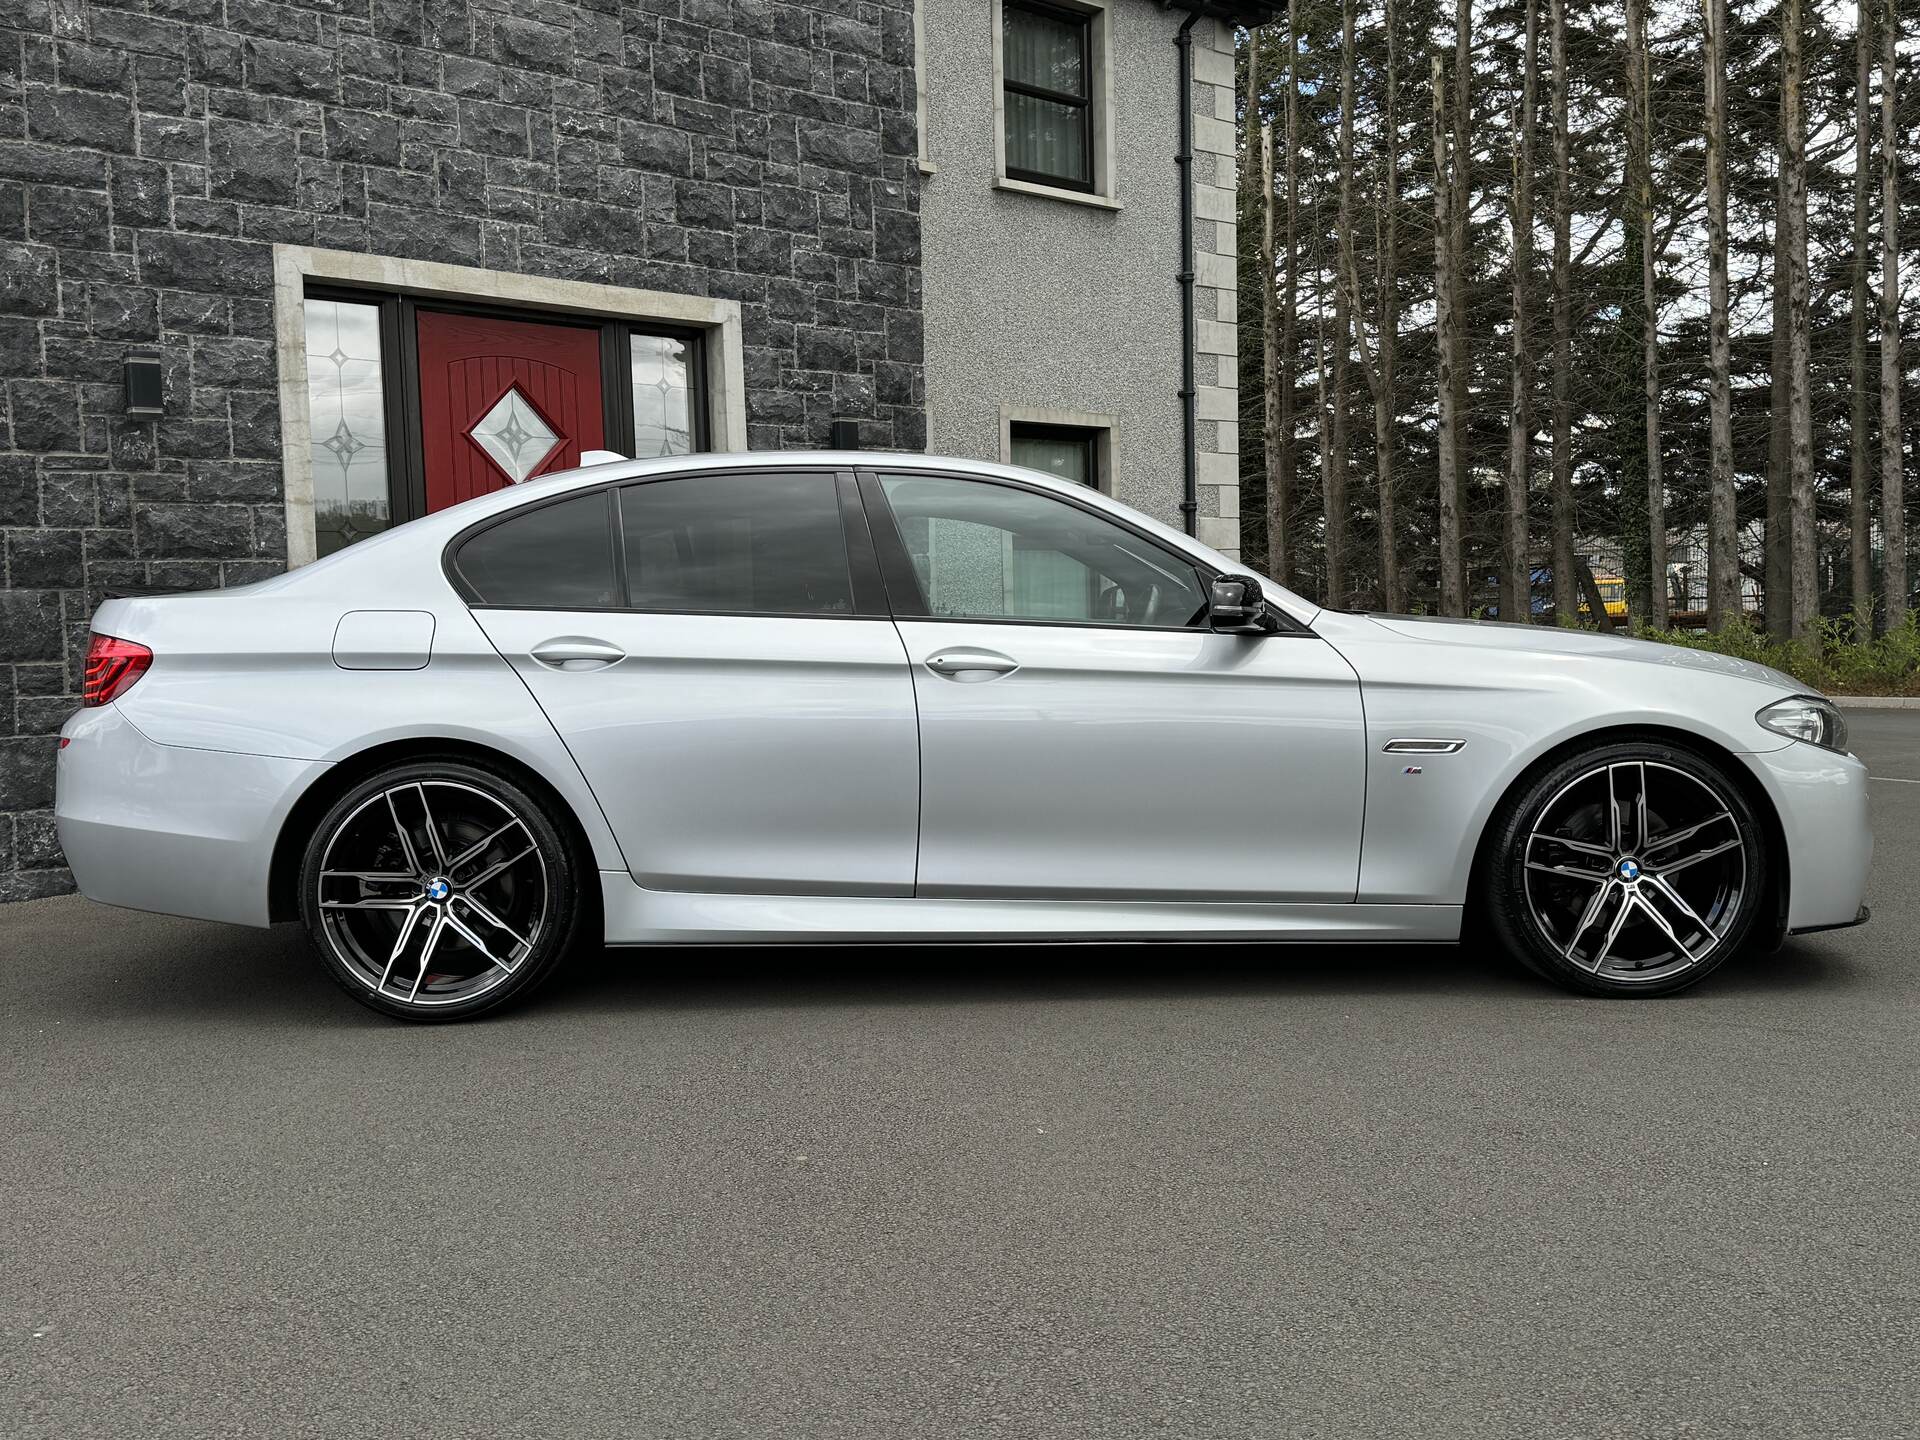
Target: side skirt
637 916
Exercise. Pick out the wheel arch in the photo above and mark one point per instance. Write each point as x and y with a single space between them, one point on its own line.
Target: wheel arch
283 875
1773 921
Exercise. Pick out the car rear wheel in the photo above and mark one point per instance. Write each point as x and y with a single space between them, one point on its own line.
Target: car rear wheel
439 889
1633 869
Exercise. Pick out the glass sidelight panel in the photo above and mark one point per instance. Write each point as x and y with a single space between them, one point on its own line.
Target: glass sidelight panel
662 388
346 399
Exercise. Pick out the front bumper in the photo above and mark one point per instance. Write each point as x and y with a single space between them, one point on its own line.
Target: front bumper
1821 799
167 828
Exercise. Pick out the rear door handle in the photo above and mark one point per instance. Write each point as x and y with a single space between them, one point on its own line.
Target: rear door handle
971 664
577 652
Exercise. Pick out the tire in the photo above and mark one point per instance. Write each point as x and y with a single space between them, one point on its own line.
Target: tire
1603 895
440 889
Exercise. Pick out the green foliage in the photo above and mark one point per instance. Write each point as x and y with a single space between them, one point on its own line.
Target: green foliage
1844 664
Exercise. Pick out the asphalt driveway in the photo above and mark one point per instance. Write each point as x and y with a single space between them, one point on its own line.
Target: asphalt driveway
954 1192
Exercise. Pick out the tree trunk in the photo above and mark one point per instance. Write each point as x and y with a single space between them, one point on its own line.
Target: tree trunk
1806 594
1452 576
1323 411
1779 583
1566 603
1387 288
1516 600
1893 515
1280 489
1723 540
1459 214
1336 475
1642 89
1861 497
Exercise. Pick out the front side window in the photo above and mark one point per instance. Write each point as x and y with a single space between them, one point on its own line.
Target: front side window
1046 69
739 544
994 552
552 557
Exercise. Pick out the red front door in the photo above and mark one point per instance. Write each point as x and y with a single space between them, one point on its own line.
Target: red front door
504 400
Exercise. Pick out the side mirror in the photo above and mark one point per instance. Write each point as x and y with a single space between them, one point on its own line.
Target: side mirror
1238 606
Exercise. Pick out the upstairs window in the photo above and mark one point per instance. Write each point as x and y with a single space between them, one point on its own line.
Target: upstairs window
1047 72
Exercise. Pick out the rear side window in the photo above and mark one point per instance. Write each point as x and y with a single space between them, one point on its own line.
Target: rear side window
553 557
766 544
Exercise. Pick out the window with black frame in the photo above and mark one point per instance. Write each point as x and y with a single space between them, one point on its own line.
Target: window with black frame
1070 451
1047 72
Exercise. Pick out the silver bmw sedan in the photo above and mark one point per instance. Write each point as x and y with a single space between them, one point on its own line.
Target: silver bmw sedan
807 697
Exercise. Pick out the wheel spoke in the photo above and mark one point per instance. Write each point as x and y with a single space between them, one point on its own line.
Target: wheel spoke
474 940
1674 898
426 952
406 840
492 870
372 877
1674 935
1585 847
371 902
1588 916
1674 837
495 921
433 834
1613 812
1595 877
399 945
479 847
1699 855
1640 812
1613 931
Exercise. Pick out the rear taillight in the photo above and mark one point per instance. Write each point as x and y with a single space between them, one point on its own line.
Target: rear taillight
113 665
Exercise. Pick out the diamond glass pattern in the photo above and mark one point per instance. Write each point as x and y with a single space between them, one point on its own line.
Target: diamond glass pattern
514 436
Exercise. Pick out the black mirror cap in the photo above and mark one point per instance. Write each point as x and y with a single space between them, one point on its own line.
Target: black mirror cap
1237 605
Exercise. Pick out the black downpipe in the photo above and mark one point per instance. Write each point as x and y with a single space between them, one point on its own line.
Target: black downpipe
1189 392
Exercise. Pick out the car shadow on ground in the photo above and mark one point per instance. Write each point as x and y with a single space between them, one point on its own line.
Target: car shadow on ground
158 966
780 976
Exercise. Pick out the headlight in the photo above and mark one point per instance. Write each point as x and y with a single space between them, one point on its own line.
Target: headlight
1808 718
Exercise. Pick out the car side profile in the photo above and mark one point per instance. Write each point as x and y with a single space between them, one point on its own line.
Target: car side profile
854 696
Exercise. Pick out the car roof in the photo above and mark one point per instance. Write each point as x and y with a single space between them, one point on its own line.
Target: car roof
431 533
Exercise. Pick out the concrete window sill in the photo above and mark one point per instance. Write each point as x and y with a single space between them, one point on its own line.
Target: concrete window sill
1072 197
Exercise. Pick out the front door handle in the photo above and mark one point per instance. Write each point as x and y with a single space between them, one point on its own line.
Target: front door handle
577 652
971 665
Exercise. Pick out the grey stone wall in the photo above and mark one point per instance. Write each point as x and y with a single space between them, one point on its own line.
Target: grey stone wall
760 150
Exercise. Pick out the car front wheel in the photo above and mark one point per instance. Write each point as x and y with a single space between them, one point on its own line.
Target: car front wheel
438 889
1633 869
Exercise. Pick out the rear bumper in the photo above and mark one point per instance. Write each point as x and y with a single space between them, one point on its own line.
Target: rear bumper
170 829
1822 802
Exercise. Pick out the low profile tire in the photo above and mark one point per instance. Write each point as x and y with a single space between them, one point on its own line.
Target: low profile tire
439 889
1632 869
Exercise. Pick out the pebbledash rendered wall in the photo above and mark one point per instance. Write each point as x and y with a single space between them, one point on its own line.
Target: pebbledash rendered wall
754 150
1085 315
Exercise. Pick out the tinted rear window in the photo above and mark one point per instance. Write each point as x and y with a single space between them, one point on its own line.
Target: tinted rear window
770 544
554 557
